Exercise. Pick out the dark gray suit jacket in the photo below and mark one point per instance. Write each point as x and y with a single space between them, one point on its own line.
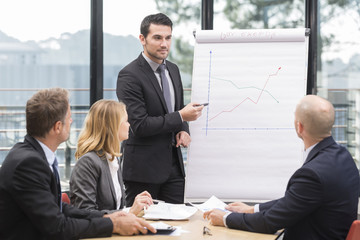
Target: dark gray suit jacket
148 151
320 201
29 201
91 185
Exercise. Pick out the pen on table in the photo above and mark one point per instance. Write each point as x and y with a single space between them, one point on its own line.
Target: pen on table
206 231
158 201
201 104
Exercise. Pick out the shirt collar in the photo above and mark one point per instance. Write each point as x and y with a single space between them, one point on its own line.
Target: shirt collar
50 155
154 66
308 150
114 163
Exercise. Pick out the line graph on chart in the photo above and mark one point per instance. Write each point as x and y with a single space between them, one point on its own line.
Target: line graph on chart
248 98
243 95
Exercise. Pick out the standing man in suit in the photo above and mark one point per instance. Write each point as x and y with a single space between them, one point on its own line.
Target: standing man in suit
151 88
321 198
30 192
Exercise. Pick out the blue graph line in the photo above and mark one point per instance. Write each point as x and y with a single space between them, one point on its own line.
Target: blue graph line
207 113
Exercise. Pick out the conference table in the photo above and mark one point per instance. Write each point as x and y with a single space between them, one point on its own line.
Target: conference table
194 229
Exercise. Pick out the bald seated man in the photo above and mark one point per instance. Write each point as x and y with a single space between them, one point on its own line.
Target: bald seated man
321 198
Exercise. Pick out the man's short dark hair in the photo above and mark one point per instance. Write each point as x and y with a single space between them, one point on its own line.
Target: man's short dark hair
44 109
157 19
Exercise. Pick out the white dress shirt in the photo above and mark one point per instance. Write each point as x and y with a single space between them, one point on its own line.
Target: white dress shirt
114 167
50 155
154 66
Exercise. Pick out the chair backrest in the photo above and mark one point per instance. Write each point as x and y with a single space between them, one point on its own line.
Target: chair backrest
354 232
65 198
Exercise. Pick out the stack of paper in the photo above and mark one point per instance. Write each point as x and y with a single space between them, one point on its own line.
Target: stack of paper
168 211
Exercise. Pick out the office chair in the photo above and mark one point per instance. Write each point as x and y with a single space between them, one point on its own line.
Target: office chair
354 232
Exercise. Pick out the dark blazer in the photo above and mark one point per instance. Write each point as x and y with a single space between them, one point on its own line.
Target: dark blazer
91 185
148 151
29 202
320 202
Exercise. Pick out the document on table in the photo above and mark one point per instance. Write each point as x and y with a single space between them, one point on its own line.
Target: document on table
211 203
168 211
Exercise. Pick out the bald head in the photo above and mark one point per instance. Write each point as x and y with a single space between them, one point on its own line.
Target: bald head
317 116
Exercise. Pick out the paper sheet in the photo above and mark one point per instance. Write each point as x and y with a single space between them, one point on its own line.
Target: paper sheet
168 211
211 203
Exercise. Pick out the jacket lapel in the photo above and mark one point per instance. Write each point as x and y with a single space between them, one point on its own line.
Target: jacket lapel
145 67
123 204
38 148
176 82
109 179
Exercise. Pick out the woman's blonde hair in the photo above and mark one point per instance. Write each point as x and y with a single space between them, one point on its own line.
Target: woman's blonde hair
100 132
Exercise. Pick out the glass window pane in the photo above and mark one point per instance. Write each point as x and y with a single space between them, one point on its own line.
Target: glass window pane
121 37
243 14
45 44
339 68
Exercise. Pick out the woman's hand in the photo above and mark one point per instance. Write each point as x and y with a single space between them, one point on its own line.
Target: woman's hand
142 201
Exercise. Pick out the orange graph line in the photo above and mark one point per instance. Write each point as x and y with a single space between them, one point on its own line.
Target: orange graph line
248 98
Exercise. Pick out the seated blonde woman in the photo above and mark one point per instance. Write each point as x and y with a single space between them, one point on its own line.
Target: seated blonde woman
96 181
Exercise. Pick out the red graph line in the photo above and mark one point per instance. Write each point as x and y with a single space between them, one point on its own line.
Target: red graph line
248 98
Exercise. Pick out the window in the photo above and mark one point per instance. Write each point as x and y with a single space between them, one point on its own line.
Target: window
339 68
43 49
121 37
259 14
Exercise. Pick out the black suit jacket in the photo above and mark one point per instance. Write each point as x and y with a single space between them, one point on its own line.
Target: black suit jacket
148 151
29 202
320 201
